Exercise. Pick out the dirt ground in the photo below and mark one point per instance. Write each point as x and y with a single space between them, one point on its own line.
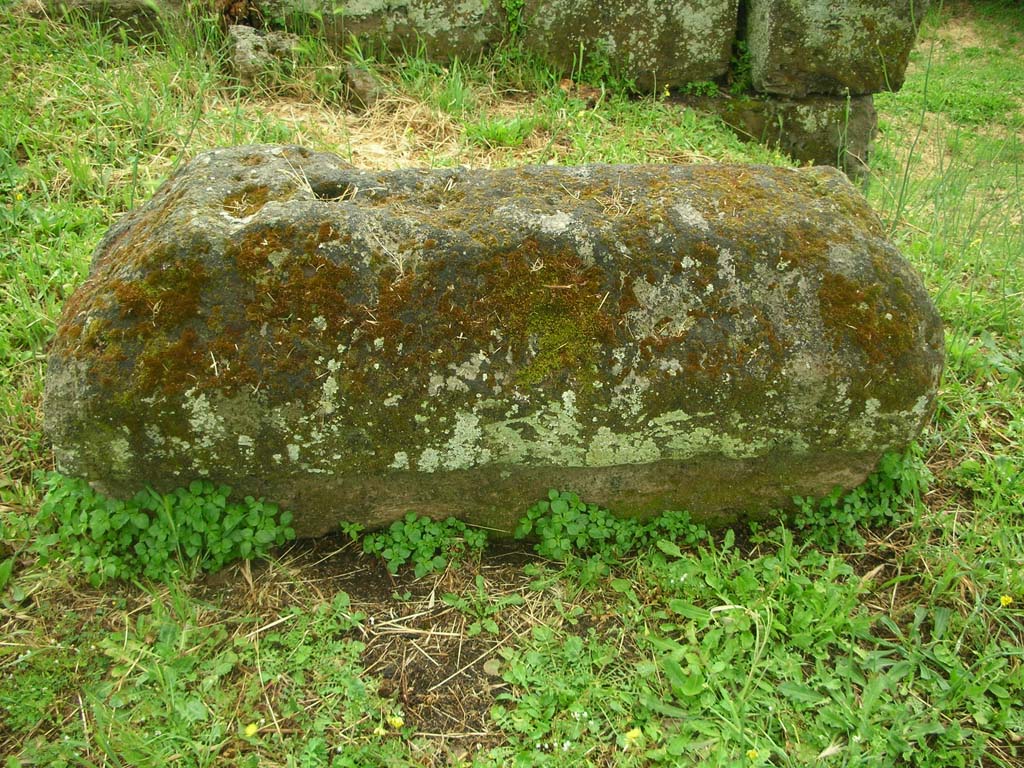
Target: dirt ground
416 644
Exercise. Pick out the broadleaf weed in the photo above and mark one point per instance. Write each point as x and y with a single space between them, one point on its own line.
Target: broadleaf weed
481 608
430 545
563 526
886 498
152 535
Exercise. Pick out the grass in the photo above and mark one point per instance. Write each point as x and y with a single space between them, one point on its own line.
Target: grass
775 646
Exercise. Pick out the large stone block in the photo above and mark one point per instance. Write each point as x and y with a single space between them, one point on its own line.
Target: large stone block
801 47
655 43
355 344
138 19
447 29
824 130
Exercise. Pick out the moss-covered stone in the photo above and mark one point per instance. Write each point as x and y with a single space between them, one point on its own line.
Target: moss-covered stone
136 19
823 130
355 344
655 44
446 29
801 47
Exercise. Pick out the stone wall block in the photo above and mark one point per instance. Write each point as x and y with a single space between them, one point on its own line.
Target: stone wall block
823 130
656 43
447 29
138 19
801 47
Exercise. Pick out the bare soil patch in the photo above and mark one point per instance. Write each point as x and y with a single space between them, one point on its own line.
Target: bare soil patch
417 644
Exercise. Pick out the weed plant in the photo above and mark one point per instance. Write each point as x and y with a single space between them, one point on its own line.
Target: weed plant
478 606
565 527
153 535
430 546
888 497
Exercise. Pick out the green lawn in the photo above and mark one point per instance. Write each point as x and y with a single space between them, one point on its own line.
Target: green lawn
819 643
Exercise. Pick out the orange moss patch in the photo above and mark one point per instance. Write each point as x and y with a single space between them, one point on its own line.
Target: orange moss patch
171 292
852 310
246 201
170 367
551 300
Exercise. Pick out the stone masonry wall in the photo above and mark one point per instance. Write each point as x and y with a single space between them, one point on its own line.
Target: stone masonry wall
798 74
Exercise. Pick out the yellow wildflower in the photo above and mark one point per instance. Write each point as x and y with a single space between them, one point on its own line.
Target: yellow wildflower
251 730
752 754
396 721
631 737
1006 601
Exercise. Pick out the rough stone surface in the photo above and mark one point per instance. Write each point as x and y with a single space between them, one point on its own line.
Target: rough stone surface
355 344
445 28
656 43
362 88
139 18
801 47
810 55
254 54
823 130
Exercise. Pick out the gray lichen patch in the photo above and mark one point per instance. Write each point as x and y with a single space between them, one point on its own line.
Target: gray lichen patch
330 351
